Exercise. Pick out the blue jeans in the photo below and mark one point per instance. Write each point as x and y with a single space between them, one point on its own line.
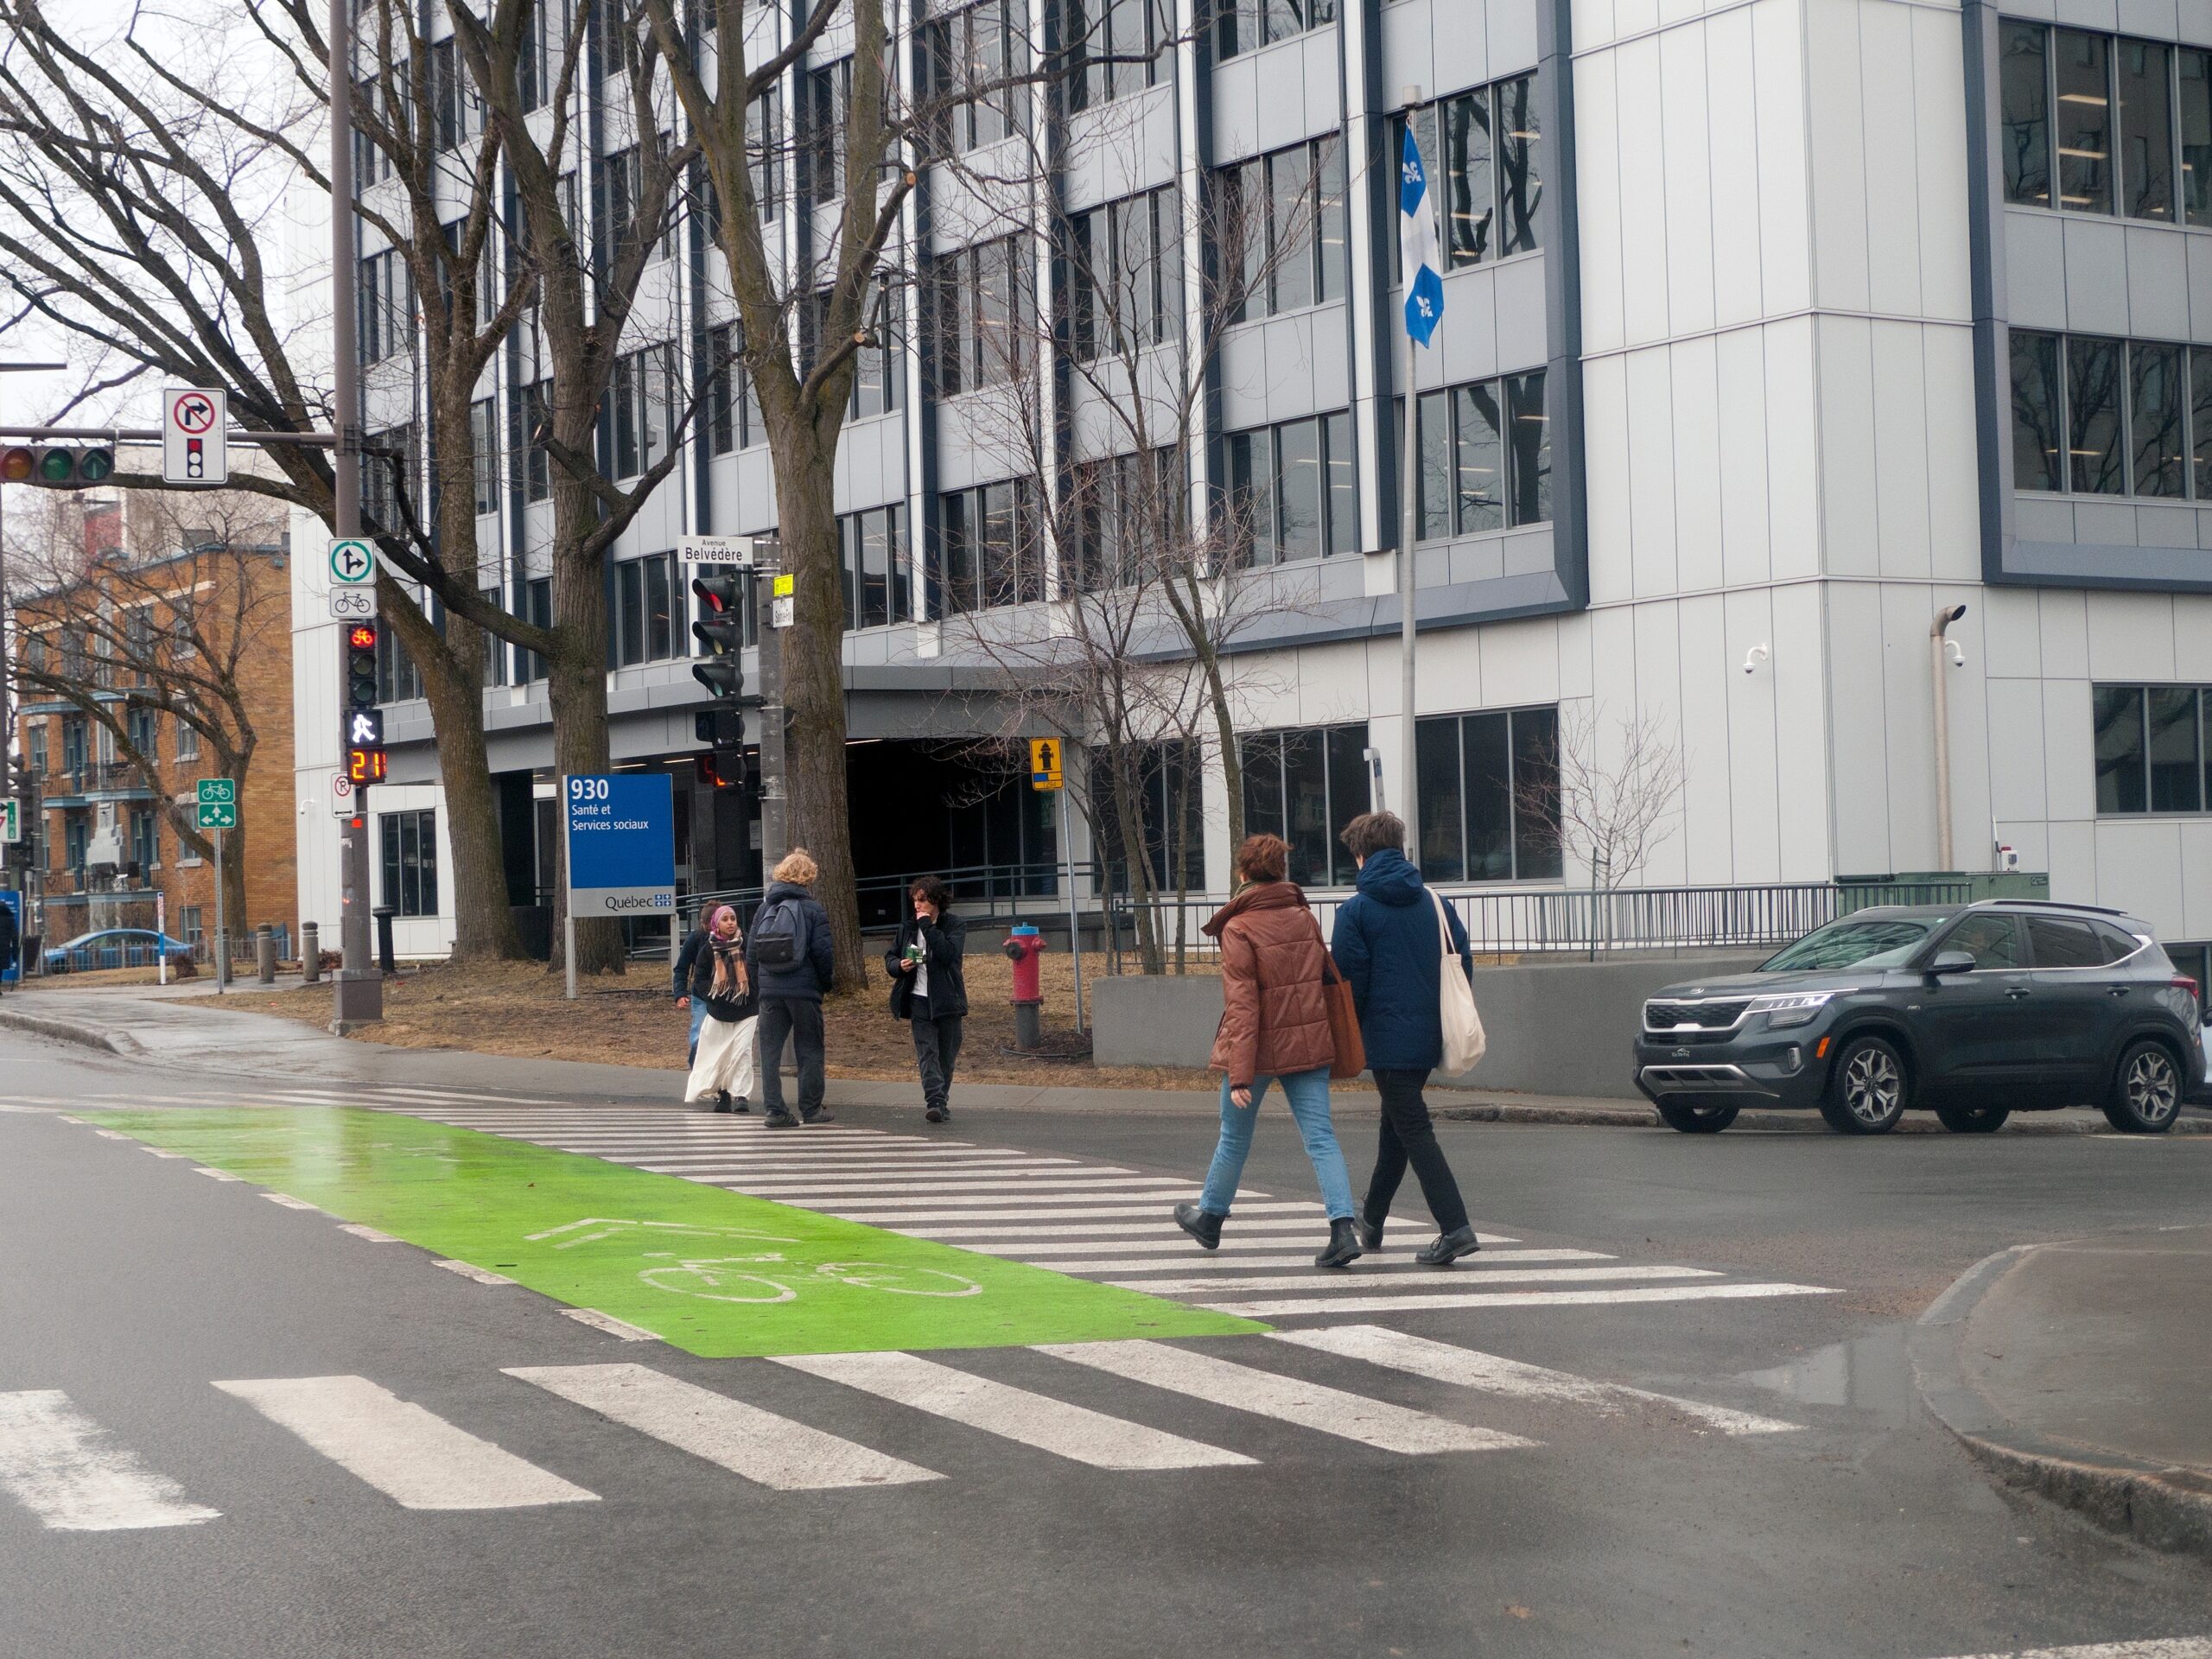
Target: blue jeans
698 1019
1308 1095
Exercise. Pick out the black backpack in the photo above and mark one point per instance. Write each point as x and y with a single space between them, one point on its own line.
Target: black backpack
779 935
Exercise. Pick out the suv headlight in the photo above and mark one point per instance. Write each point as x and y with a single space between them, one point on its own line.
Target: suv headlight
1793 1008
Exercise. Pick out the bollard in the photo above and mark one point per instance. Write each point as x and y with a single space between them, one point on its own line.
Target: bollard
222 958
1024 946
384 913
264 953
310 954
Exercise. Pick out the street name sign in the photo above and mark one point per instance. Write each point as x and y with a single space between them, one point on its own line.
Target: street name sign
352 563
621 833
353 604
715 550
195 448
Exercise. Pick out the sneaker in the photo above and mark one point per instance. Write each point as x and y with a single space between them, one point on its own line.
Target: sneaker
819 1115
936 1114
740 1104
779 1121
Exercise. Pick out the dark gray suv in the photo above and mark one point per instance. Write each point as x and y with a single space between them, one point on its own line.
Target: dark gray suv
1973 1011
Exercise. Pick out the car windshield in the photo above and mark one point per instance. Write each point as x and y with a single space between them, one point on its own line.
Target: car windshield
1855 942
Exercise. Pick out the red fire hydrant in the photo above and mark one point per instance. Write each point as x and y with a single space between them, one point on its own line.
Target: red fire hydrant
1024 946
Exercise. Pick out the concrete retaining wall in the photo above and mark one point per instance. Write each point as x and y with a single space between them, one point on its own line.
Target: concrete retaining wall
1555 1028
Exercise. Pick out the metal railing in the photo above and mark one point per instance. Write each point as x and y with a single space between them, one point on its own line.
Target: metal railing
103 954
983 892
1588 921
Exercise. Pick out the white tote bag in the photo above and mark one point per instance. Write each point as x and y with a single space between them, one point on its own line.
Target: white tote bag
1464 1041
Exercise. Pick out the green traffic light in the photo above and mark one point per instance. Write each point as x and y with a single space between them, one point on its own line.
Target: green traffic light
95 465
57 466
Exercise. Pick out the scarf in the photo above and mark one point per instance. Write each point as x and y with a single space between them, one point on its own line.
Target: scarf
730 983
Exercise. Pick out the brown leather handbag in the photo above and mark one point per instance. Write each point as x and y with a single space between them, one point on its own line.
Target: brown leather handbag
1344 1017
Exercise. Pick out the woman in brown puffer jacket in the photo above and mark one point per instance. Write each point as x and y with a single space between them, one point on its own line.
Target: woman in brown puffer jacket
1274 1028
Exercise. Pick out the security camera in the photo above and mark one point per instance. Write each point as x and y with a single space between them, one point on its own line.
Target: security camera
1754 657
1958 657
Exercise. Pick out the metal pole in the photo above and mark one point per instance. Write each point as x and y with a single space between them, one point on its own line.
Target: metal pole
568 951
1408 473
356 988
775 792
26 825
222 922
161 938
1075 925
1937 648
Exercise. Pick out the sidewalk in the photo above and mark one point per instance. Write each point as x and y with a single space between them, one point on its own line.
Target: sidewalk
2077 1371
191 1031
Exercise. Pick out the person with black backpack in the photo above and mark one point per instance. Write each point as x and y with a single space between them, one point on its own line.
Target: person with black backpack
792 960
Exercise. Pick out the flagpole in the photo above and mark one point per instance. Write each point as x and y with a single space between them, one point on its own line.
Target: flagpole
1408 478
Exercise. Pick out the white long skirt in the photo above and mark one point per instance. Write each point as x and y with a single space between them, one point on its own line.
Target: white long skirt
724 1061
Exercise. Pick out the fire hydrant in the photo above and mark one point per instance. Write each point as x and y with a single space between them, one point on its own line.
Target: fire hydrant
1024 946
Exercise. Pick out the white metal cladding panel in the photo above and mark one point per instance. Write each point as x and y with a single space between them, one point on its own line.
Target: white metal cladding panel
1614 678
1908 704
1892 156
1954 499
1512 32
1971 757
1520 662
2193 637
1900 480
1598 199
2130 637
1848 482
1697 530
1740 379
1447 675
2097 276
2102 524
1607 489
1651 471
1634 16
2012 633
1708 827
1659 666
1574 636
2157 20
1522 342
1732 151
2157 283
1940 173
1594 23
2198 249
1754 740
2196 881
2035 269
1686 163
2070 852
1642 193
1803 788
1856 716
2043 518
1785 202
2158 526
1792 448
1835 117
2016 739
2138 870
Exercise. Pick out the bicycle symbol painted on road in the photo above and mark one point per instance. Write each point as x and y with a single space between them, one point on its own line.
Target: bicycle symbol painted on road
733 1278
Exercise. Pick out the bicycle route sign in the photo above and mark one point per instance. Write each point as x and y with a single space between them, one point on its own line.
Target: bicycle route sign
217 804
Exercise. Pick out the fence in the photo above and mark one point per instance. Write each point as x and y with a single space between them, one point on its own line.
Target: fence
1590 921
983 892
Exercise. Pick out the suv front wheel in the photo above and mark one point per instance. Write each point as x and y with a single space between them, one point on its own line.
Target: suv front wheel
1869 1089
2145 1095
1696 1120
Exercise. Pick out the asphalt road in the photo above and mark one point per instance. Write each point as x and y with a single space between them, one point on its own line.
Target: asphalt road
133 1285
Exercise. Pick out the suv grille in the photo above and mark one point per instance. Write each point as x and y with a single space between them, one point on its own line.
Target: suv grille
1693 1016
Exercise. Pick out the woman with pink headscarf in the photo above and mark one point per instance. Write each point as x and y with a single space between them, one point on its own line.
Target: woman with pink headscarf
711 976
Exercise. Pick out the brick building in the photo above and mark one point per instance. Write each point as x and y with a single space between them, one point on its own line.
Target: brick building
154 650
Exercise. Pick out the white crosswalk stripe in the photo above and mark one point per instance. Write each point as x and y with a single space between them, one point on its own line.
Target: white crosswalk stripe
743 1439
1431 1281
2186 1647
1286 1307
1073 1432
71 1474
412 1456
1310 1405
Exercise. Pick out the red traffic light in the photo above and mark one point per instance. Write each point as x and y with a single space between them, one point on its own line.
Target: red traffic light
362 636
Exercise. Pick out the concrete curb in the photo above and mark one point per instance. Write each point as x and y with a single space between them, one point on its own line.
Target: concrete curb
2166 1508
66 1031
1635 1118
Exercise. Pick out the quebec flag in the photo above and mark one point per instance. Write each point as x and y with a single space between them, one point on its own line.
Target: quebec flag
1418 253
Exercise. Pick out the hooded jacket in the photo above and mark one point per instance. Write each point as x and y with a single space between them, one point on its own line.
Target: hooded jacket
1387 947
946 941
1274 1018
806 979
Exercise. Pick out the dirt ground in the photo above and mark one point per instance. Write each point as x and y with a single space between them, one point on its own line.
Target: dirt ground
629 1019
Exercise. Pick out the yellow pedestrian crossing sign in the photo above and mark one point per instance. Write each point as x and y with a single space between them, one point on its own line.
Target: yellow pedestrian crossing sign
1044 763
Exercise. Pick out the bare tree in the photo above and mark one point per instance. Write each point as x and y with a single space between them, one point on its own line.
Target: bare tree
1615 795
177 626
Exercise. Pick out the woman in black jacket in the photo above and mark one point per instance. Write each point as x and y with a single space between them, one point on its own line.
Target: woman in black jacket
712 978
929 987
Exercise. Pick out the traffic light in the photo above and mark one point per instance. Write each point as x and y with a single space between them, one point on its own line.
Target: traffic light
721 629
362 737
57 466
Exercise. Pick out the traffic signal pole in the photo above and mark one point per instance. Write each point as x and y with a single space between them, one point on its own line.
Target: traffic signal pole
358 988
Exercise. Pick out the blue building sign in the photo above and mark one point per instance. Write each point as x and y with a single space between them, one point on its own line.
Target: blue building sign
622 844
14 900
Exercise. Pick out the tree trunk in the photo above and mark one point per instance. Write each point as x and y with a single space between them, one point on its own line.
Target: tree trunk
576 687
814 691
1128 812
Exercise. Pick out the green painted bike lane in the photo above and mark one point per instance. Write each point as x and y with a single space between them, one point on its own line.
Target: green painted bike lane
708 1270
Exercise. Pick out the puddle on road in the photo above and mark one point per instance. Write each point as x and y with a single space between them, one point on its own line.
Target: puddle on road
1872 1374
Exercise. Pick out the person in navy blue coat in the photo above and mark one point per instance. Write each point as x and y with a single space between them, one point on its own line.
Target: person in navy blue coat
1389 944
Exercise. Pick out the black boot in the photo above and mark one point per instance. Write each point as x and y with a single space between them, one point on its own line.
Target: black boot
1344 1245
1201 1225
1448 1248
722 1101
1370 1234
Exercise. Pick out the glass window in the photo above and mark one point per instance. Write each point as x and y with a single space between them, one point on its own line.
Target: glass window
1520 176
1536 850
484 440
1434 424
2061 942
2146 129
1478 457
1297 472
1304 786
1485 762
2036 451
1332 245
2176 770
1439 847
2023 93
2084 123
2118 719
1262 763
2094 416
1531 471
410 846
2195 76
2160 443
1468 183
1344 483
1306 806
1291 191
1992 938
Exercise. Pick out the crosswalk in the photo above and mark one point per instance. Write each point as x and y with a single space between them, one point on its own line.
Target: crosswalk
1325 1388
1090 1218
